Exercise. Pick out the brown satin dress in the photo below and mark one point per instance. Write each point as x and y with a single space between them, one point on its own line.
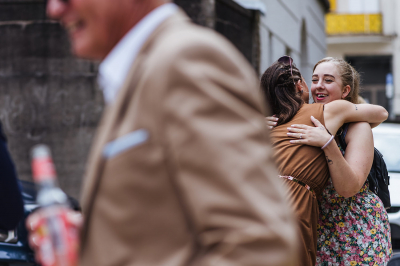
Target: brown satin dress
308 165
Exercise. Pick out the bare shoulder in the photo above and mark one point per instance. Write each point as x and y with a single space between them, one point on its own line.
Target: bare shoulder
339 111
337 105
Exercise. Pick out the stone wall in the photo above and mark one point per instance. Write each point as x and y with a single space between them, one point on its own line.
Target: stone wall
49 96
46 95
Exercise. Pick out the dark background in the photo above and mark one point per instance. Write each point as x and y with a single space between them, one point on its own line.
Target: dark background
373 71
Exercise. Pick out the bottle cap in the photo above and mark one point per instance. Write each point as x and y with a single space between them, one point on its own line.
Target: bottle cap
42 164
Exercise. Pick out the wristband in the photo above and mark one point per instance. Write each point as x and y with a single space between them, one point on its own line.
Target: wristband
329 141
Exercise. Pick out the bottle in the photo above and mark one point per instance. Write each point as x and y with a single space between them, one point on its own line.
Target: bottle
58 241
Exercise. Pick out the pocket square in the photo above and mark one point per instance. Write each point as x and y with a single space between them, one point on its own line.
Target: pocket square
126 142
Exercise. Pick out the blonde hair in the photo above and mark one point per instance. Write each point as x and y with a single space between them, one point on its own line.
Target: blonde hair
348 75
361 100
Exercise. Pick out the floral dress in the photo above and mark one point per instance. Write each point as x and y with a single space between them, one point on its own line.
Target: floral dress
352 231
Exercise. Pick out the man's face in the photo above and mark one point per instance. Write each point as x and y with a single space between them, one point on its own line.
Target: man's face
94 26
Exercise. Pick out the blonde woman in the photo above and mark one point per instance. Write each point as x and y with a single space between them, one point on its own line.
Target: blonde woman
353 226
303 168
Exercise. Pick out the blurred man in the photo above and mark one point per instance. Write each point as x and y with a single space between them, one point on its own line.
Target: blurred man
180 172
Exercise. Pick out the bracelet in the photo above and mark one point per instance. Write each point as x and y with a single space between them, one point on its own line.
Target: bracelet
329 141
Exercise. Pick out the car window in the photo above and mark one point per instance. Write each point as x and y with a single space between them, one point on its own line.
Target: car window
389 146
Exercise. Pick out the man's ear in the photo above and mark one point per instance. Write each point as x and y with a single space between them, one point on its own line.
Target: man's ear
346 91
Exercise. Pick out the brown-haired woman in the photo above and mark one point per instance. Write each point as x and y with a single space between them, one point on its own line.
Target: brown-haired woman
303 168
353 226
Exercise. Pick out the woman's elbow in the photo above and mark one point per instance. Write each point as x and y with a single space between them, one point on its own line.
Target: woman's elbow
347 194
384 114
351 189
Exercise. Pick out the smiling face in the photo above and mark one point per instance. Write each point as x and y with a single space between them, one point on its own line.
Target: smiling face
96 26
327 85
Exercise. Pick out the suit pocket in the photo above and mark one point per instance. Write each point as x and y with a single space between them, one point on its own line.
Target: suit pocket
125 143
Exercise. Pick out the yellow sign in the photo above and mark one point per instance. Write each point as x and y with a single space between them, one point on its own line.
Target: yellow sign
341 24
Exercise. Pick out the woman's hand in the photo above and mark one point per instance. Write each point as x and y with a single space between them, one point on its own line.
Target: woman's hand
271 121
316 136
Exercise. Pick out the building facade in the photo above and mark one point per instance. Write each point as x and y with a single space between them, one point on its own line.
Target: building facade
365 33
295 28
264 30
237 23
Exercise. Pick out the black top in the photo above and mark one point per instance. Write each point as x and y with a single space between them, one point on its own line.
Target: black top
11 204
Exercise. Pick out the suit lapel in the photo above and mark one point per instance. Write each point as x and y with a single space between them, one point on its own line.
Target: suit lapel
105 133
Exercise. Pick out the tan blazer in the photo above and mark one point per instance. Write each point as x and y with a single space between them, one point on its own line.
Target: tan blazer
180 172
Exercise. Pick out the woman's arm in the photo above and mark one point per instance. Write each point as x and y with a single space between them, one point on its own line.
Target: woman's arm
350 172
338 112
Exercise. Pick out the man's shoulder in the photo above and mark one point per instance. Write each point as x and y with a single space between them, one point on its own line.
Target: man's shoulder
182 44
180 51
179 36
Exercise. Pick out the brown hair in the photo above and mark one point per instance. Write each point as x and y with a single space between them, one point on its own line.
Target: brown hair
280 92
348 75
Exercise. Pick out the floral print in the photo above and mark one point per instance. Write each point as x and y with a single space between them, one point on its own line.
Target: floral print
352 231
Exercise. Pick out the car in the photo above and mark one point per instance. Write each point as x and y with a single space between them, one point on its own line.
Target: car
387 141
14 247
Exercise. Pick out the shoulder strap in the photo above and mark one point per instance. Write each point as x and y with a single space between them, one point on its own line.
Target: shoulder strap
342 136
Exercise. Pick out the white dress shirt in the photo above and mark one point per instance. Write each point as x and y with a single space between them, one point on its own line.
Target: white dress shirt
114 68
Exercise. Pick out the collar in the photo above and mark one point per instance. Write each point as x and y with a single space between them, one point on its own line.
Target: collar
115 67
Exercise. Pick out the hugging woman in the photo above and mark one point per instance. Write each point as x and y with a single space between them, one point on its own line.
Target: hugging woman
353 226
303 168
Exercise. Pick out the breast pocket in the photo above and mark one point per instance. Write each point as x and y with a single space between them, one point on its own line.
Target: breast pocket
125 143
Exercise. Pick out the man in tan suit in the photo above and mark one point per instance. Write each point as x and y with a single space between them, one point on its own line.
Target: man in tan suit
180 172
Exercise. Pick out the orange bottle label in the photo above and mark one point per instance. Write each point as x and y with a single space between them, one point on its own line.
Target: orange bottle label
43 169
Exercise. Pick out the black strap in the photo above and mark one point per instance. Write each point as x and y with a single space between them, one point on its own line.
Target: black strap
342 136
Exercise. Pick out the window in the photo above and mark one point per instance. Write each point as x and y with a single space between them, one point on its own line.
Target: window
364 6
